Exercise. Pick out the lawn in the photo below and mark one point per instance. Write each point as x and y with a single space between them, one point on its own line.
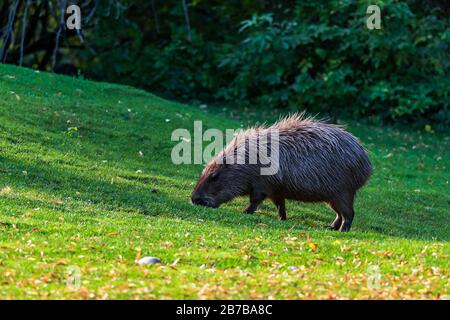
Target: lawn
87 187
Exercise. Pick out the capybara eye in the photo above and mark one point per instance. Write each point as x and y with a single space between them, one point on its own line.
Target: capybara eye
214 176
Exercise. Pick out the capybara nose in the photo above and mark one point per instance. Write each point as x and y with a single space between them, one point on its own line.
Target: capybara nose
196 200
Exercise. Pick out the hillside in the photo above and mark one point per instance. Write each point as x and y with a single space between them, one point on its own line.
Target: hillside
87 184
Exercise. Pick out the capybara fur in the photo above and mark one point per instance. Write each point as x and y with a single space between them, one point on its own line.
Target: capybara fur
318 162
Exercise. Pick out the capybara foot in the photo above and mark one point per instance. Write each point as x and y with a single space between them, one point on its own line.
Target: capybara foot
345 227
249 211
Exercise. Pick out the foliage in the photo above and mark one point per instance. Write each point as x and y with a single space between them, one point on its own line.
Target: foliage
324 59
317 56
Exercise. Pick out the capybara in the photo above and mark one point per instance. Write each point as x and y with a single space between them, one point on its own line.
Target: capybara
318 162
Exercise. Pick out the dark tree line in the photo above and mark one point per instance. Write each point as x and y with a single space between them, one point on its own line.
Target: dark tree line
35 31
32 31
315 55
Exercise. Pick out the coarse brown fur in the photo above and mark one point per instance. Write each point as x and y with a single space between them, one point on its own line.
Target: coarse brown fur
318 162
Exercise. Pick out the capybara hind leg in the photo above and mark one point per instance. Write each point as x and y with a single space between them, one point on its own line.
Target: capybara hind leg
255 200
347 221
281 206
336 224
344 208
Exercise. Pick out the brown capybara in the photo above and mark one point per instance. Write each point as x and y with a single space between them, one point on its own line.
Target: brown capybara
317 162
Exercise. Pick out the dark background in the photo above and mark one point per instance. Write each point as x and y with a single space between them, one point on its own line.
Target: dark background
313 55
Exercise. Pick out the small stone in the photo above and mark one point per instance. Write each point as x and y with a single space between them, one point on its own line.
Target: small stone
148 260
292 268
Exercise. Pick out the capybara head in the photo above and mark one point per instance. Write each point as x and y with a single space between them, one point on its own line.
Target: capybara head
218 183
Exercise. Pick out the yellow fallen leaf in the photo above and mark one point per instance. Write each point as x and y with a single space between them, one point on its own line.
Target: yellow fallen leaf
61 263
5 190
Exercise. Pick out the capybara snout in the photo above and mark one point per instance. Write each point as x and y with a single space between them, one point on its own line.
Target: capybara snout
318 162
202 200
210 190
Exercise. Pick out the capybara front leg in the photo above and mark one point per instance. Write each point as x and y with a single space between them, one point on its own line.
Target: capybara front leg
255 200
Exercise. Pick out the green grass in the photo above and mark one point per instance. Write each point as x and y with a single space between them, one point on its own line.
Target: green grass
83 198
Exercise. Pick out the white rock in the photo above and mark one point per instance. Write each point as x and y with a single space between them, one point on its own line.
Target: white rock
148 260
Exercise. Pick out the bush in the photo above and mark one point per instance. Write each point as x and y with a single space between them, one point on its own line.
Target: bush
323 58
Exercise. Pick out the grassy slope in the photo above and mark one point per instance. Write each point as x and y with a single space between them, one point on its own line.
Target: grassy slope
77 198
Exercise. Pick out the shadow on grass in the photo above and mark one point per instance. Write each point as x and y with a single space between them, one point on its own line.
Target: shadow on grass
170 198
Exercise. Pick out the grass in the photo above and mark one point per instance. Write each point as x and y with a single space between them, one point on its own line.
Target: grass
87 185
